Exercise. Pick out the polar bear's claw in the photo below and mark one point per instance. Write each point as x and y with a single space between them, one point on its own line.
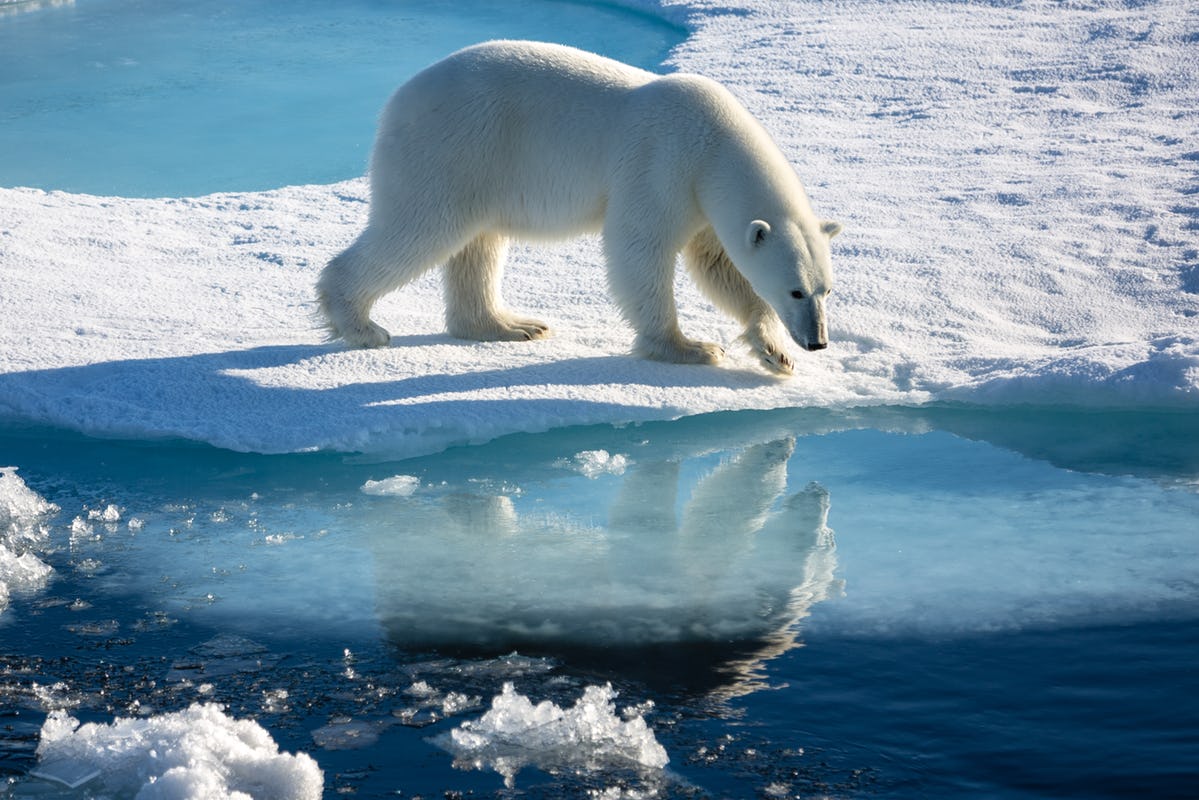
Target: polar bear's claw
776 360
532 328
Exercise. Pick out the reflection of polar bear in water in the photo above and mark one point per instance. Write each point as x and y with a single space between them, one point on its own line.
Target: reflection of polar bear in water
527 140
722 579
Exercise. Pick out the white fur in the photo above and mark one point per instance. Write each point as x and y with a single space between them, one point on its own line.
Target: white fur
525 140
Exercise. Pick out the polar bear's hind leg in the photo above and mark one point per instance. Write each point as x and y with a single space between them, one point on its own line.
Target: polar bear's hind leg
343 304
474 307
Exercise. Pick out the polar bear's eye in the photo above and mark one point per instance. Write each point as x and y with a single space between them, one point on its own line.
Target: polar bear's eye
797 294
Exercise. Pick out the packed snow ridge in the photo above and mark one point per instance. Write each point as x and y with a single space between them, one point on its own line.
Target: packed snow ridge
1018 185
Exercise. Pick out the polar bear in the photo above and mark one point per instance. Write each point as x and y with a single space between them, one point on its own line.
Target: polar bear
526 140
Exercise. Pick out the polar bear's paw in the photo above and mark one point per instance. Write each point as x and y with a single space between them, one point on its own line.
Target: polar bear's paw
501 328
679 350
775 359
765 336
365 334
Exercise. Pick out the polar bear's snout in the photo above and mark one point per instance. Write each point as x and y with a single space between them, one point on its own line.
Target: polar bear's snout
817 338
807 324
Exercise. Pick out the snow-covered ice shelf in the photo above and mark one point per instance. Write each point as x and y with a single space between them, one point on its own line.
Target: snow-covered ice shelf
1018 185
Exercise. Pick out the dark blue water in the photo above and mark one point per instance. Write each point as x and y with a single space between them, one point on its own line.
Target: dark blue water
140 98
898 603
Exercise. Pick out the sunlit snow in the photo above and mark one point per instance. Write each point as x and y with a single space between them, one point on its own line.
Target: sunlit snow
1016 184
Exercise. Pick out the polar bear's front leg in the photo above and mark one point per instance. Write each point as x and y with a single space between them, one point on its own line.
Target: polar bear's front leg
716 277
641 277
474 308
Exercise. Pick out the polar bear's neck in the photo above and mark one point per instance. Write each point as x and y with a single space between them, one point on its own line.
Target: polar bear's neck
740 173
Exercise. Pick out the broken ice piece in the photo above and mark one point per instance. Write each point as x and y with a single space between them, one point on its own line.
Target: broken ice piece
66 771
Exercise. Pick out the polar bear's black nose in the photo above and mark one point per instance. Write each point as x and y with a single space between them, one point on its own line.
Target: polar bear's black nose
814 346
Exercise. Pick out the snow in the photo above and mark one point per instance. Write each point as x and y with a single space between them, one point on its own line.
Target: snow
1018 185
198 753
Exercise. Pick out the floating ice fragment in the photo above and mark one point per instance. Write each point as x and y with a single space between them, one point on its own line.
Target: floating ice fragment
71 774
587 737
55 697
22 510
23 513
421 689
593 463
346 735
21 573
195 754
110 514
226 654
395 486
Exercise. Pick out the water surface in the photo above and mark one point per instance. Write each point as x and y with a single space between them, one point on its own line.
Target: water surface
139 98
938 602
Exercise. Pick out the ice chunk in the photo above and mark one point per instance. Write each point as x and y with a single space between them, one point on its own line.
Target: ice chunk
395 486
594 463
109 514
22 511
22 531
346 735
71 774
25 572
589 736
195 754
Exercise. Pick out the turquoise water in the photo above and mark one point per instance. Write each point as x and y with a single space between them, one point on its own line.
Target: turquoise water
140 98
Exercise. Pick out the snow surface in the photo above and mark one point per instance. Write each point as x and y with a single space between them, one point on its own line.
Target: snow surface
1018 185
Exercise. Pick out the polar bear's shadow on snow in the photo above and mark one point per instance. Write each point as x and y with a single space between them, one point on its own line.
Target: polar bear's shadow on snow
250 391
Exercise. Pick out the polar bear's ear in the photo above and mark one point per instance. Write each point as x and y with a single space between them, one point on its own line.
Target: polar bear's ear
830 228
756 233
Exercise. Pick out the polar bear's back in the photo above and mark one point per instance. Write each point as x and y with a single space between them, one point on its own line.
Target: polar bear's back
527 76
508 119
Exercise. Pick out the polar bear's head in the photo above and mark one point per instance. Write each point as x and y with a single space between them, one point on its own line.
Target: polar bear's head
787 263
